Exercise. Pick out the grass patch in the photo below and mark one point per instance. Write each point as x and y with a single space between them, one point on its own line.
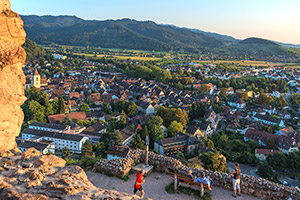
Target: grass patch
170 189
126 177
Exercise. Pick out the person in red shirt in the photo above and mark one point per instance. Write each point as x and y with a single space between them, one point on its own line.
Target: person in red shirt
138 183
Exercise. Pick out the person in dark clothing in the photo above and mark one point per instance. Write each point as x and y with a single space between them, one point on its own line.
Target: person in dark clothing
236 180
138 183
191 176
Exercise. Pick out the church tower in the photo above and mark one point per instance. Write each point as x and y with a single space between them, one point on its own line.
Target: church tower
36 79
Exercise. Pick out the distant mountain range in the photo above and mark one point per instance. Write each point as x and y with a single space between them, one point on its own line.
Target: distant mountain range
142 35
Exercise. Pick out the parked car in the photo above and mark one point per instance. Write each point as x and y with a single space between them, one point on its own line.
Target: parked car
284 183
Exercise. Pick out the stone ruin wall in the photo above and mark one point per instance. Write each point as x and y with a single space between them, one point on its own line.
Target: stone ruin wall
251 185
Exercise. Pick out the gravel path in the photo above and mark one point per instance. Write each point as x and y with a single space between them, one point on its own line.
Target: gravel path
154 188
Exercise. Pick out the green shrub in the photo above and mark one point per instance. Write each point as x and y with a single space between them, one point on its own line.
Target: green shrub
88 161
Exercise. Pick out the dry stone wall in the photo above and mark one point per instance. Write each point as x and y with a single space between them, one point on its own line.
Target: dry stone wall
251 185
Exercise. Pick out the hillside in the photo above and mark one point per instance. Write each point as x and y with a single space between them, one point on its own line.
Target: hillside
145 35
258 47
125 33
33 50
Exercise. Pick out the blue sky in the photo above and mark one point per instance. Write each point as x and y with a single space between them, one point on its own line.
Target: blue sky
271 19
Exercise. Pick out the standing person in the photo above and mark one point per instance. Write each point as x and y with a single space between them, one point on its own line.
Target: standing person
138 183
236 180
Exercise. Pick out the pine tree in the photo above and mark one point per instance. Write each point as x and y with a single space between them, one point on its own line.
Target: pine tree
61 106
66 153
117 138
123 120
87 150
137 142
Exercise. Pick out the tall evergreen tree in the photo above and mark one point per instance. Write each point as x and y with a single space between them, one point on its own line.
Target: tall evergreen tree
61 105
87 150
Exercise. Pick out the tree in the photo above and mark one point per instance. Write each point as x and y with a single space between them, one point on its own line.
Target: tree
100 149
214 161
174 128
264 99
87 150
171 114
61 105
242 95
105 108
209 143
265 171
137 142
223 92
153 124
36 112
117 138
180 154
67 120
197 111
204 88
277 161
84 108
293 160
271 144
123 120
132 109
66 153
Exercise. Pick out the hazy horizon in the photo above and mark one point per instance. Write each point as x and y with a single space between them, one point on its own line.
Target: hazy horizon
273 20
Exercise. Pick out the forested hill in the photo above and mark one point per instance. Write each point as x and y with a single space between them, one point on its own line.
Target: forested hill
125 33
33 50
145 35
259 47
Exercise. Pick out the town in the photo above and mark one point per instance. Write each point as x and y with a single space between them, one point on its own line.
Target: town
85 109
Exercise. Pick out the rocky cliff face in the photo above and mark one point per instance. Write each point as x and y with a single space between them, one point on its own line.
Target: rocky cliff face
33 176
12 79
30 175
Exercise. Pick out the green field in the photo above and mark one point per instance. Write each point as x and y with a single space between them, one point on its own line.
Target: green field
120 57
242 63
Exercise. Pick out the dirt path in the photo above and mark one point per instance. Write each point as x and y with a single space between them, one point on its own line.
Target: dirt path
154 188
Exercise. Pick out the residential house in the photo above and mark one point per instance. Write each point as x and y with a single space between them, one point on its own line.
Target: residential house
171 146
260 136
195 132
287 144
205 128
266 119
269 109
262 154
286 131
212 118
128 135
283 114
94 132
236 102
146 107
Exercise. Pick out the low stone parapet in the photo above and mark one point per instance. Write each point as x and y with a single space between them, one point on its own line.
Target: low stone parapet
250 185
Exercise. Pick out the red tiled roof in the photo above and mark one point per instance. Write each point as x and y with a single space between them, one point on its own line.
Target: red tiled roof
266 151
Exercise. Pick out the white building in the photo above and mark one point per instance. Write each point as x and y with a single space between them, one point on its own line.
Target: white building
43 147
50 127
61 140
